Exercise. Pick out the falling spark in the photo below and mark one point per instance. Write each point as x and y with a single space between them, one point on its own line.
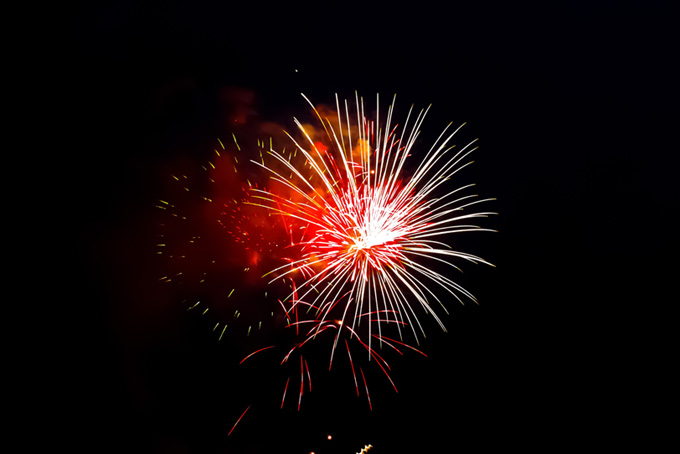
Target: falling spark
284 392
237 421
366 386
256 351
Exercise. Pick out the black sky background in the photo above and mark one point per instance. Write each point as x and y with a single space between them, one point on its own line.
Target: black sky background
571 104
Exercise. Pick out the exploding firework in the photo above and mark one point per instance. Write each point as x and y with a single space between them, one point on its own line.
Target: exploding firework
354 224
368 223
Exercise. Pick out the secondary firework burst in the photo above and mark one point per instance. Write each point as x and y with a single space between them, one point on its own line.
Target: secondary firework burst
369 226
213 248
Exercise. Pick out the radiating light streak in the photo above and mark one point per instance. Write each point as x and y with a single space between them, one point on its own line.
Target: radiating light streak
368 396
356 384
256 351
237 421
285 389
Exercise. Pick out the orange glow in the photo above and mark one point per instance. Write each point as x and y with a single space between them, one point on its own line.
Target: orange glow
321 147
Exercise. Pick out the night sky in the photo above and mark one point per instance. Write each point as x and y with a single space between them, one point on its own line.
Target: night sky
570 104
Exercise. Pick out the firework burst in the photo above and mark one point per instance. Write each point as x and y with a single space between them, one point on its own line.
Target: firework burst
369 225
363 221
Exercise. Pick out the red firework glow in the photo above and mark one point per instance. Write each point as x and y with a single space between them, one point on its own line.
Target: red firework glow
346 222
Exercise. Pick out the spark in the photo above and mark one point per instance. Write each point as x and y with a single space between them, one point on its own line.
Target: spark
366 386
356 385
237 421
284 392
256 351
302 382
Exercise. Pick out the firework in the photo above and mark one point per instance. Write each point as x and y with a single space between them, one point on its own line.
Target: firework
367 225
362 220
